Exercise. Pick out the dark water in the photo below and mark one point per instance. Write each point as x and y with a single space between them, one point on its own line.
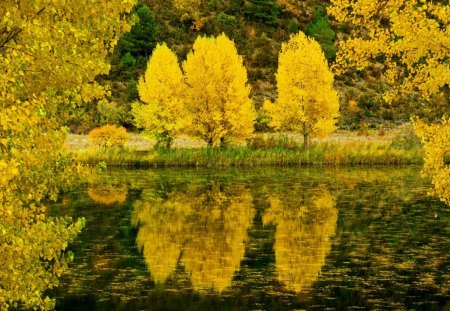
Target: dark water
258 239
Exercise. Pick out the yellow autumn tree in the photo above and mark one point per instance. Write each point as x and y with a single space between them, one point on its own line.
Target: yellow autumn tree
307 102
161 90
218 95
50 51
303 236
413 39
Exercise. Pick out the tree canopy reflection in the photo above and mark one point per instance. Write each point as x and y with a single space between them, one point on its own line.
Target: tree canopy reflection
303 235
204 230
108 194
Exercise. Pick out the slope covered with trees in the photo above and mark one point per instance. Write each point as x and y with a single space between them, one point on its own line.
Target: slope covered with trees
258 29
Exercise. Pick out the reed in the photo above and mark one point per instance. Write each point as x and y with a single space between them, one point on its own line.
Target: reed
325 153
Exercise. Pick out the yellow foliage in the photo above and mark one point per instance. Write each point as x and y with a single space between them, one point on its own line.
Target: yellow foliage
218 95
436 142
307 102
303 236
162 90
109 136
50 53
412 36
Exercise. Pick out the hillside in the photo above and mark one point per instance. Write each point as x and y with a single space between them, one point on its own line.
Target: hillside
258 28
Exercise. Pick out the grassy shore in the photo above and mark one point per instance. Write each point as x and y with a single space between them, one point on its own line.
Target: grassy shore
396 147
354 153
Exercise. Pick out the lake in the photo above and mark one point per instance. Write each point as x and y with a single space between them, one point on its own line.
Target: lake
263 238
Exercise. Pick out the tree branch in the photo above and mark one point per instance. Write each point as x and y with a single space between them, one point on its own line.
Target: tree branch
15 32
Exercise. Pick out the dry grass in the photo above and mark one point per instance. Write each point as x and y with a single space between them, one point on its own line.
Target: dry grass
140 142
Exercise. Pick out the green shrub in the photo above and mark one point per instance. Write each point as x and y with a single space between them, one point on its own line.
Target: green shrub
265 11
273 141
143 36
226 19
293 26
320 30
406 139
132 92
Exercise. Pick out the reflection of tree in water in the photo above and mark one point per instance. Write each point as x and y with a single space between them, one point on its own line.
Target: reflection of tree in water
108 194
205 229
215 248
161 230
303 236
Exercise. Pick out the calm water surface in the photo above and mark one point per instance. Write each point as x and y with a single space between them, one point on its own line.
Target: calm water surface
258 239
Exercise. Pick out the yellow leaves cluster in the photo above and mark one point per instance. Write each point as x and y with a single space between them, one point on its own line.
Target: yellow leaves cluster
307 102
436 142
109 136
50 53
413 36
211 100
414 39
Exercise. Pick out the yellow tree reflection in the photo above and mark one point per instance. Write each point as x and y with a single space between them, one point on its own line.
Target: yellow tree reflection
161 231
108 194
216 242
303 236
204 230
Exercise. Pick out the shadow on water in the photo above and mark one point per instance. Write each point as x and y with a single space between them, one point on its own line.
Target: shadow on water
258 239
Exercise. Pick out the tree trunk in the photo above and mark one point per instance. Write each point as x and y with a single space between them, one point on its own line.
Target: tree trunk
210 143
306 142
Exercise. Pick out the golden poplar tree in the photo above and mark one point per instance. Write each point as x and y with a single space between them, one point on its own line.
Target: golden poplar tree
413 39
218 95
162 90
307 102
50 51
